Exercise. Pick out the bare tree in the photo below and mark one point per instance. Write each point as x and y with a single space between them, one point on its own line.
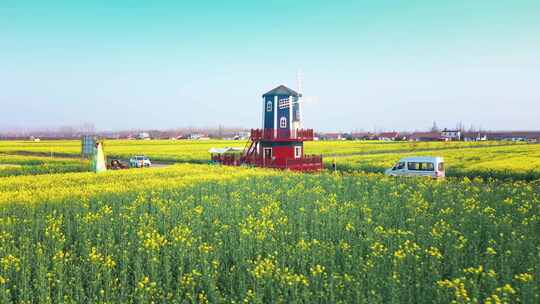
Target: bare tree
434 128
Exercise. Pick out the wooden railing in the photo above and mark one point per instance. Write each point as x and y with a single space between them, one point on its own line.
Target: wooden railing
306 163
279 134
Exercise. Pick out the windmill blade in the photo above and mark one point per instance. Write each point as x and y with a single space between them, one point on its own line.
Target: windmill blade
300 86
307 99
310 99
299 81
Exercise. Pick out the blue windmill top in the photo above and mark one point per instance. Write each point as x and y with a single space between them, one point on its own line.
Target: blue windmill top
282 91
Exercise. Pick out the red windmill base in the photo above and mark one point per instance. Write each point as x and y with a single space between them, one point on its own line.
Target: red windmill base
270 149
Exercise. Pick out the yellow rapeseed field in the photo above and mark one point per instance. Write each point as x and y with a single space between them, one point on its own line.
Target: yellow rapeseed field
520 161
471 159
11 165
212 234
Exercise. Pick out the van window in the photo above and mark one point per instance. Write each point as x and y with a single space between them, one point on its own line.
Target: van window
413 166
441 167
425 166
399 166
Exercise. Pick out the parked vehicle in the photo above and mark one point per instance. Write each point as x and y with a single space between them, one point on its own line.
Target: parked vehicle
418 166
117 164
139 161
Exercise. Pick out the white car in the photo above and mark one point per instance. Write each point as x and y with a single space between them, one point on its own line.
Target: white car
140 161
418 166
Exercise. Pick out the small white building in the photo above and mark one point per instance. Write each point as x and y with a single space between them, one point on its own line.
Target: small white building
143 136
473 136
451 134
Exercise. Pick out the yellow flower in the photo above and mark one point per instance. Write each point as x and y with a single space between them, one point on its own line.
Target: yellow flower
434 252
317 270
344 246
507 288
458 285
473 270
378 249
198 210
143 282
205 248
203 299
303 245
250 295
101 259
493 299
264 267
524 277
153 240
10 262
400 254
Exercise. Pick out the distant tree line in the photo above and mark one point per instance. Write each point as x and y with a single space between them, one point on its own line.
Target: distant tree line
76 131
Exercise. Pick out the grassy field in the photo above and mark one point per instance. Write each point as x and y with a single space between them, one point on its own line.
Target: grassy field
471 159
11 165
193 233
211 234
197 150
160 150
344 148
514 161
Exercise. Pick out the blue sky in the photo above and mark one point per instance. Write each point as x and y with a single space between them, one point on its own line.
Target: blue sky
365 64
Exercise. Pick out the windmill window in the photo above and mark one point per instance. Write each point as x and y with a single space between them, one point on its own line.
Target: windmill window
283 103
283 122
297 151
269 106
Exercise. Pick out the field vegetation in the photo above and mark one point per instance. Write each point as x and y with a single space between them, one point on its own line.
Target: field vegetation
520 161
29 165
471 159
197 150
160 150
346 148
211 234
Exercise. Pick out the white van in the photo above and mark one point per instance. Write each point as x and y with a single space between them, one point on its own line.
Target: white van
418 166
139 161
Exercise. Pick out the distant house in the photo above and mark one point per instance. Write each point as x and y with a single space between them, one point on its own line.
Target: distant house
198 136
362 136
143 136
242 136
427 136
514 135
474 136
388 136
332 136
194 136
179 137
451 134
